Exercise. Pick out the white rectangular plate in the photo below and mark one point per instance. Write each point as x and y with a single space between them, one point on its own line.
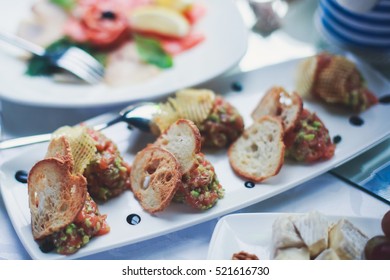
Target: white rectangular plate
354 141
252 233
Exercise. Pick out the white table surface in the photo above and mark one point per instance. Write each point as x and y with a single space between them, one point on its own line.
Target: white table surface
325 193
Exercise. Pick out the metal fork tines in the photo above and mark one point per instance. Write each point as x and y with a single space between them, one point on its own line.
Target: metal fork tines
80 64
73 59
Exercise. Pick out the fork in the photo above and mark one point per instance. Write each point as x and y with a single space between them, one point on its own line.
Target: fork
140 116
72 59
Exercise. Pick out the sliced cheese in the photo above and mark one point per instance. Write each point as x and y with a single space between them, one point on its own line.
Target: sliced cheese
328 254
313 229
284 234
347 240
292 254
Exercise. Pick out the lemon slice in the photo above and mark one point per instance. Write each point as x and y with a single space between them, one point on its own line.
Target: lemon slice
178 5
159 20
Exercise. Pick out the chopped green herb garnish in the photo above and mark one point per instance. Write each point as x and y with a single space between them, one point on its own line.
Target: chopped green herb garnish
67 5
309 137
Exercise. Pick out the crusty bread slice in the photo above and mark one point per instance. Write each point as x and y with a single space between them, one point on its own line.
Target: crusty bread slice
56 196
183 140
279 103
269 104
155 178
259 152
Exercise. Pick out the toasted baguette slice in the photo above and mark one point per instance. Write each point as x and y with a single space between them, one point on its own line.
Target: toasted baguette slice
259 152
279 103
155 178
183 140
55 196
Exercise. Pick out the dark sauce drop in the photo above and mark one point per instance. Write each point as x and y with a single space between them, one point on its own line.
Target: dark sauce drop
385 99
356 120
249 184
236 86
46 246
133 219
108 15
21 176
336 139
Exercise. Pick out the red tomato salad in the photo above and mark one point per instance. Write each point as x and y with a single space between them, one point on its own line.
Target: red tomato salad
133 39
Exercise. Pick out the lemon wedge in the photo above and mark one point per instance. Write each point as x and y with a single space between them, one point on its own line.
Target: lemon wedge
178 5
159 20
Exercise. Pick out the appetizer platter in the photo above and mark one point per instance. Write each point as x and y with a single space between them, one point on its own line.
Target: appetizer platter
132 214
185 66
231 235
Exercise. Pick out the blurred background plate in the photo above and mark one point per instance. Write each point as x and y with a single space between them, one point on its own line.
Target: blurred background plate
345 33
357 22
353 29
225 44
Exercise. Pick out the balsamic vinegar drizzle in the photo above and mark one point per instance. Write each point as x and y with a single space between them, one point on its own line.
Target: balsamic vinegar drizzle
133 219
337 139
356 120
385 99
237 86
249 184
21 176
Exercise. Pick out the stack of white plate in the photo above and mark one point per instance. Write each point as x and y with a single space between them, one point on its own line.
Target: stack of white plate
366 32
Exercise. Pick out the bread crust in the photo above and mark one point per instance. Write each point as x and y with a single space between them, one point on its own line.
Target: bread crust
259 153
59 147
155 178
56 196
279 103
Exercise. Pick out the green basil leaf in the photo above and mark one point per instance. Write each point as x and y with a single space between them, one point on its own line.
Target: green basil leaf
38 66
151 52
67 5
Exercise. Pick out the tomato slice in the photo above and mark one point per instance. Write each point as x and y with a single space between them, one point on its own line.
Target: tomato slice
194 13
176 46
